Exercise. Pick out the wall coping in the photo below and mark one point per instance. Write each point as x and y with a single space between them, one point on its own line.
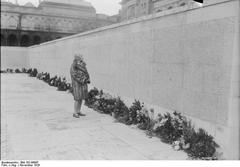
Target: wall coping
14 47
135 20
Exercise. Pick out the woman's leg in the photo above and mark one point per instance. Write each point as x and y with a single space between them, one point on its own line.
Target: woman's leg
75 114
79 106
79 109
76 107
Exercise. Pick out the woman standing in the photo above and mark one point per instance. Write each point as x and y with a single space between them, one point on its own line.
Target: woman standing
80 79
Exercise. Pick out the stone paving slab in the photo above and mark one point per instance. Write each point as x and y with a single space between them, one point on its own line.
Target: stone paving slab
37 124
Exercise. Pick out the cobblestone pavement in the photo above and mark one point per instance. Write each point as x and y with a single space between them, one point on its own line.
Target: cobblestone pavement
37 124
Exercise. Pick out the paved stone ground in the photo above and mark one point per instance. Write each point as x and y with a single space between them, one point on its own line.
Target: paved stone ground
37 124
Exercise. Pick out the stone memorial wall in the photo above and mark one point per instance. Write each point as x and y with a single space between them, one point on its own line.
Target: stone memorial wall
14 57
184 59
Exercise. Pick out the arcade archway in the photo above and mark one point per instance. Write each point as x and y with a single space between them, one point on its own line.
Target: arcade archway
48 39
3 40
25 40
36 40
12 40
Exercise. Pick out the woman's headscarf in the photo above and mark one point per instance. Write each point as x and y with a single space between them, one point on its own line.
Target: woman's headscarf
79 71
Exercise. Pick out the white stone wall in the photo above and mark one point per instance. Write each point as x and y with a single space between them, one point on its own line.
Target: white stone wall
185 59
14 57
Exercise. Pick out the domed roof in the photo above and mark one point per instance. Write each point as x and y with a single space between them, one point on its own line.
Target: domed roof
71 2
29 4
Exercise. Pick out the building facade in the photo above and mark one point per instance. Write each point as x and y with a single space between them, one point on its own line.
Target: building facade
137 8
52 19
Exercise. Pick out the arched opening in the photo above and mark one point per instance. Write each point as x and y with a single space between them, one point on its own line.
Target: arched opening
12 40
25 41
36 40
3 42
48 39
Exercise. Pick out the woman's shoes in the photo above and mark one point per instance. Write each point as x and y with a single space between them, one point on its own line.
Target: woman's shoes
78 115
81 114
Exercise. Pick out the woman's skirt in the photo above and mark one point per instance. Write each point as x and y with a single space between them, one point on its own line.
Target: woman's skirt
80 92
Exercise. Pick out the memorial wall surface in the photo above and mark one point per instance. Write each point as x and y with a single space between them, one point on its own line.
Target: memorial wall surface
14 57
185 59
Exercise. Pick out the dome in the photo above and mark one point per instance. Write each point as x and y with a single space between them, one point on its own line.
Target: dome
29 4
70 2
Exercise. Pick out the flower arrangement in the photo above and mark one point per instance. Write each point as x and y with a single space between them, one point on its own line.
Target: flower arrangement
106 104
179 132
202 145
170 128
145 119
173 129
17 71
91 97
120 111
134 113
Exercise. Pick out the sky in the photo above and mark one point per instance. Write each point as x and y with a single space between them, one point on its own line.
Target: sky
109 7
